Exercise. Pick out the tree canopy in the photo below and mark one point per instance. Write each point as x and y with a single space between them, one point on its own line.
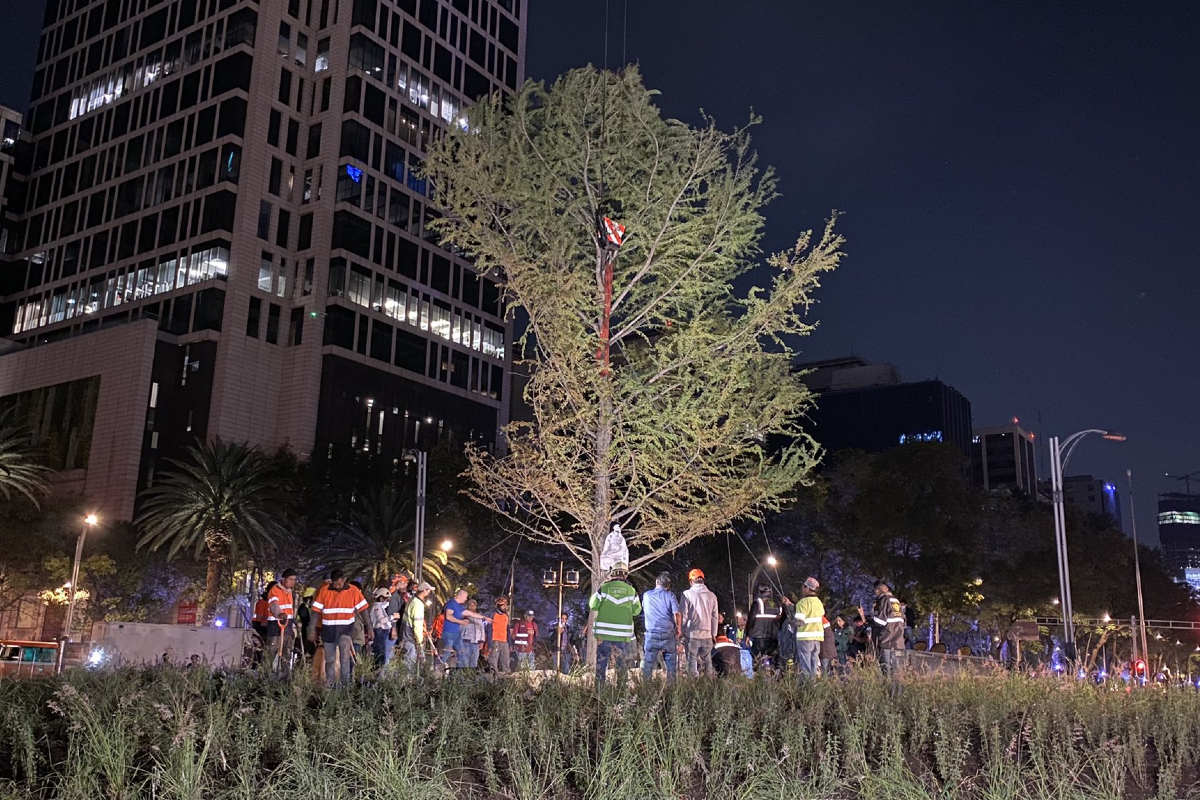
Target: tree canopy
656 388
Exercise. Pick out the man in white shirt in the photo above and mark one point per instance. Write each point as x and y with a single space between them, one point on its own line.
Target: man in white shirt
699 618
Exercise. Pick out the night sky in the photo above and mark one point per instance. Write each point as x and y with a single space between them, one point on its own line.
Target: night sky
1019 183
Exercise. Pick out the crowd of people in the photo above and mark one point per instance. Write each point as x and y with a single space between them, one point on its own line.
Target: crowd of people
334 627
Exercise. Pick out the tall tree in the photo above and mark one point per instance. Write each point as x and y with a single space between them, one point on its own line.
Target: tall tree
221 499
655 386
23 471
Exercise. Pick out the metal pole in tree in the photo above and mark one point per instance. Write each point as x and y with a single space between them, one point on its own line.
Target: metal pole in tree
1137 564
558 647
1064 581
419 549
88 522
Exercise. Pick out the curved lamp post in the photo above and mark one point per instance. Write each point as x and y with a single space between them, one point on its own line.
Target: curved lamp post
88 522
1060 454
770 561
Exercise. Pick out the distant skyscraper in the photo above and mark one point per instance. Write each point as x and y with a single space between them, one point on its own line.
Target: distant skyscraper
1179 534
227 232
865 406
1003 457
1093 496
10 132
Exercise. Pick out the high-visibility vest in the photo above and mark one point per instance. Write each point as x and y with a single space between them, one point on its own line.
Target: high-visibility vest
282 598
524 633
616 604
809 616
499 627
336 607
764 618
262 611
727 656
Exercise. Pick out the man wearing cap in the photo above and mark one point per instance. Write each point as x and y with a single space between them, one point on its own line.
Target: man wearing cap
810 615
663 627
613 608
887 627
280 626
700 624
524 634
498 655
413 633
398 601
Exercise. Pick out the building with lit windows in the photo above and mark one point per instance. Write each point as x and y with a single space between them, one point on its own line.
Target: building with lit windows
1003 458
225 232
12 181
866 407
1093 496
1179 535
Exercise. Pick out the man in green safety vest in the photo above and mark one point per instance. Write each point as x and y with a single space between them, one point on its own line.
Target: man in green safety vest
810 614
613 608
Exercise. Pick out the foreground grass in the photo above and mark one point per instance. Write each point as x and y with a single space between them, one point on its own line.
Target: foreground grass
202 736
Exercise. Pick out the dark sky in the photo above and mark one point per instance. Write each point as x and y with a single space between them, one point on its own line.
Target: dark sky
1020 185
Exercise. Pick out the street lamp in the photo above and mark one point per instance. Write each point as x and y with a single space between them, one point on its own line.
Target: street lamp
447 545
770 561
560 580
1060 454
88 522
421 459
1137 564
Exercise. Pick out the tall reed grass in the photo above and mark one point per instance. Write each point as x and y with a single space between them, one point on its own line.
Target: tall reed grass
170 735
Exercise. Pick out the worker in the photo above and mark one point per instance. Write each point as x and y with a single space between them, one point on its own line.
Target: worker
664 632
613 608
700 624
785 635
281 625
381 626
336 607
524 634
726 656
413 637
258 623
828 647
887 628
304 620
457 616
397 602
809 634
498 656
764 625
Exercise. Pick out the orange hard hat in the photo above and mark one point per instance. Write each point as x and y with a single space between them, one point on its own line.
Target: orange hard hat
695 574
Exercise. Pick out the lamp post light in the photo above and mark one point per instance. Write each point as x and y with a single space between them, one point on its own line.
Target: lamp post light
1060 454
770 561
420 457
88 522
563 579
1137 565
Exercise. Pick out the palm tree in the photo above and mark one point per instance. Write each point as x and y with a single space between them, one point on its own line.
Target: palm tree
378 541
22 470
219 500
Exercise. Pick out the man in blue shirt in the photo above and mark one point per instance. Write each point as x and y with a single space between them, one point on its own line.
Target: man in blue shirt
661 610
452 630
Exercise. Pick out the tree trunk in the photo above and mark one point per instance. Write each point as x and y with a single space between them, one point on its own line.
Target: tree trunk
212 582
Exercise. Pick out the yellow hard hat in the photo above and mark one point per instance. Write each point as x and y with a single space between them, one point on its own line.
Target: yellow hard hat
310 591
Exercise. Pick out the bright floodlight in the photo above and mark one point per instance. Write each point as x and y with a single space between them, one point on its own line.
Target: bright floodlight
91 519
771 561
1114 436
447 545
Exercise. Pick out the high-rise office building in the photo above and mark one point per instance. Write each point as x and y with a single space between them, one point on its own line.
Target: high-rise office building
11 197
867 407
227 233
1093 496
1002 457
1179 535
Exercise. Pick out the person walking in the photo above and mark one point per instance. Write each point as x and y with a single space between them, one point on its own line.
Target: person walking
498 654
764 625
473 636
414 635
809 633
613 607
700 624
335 609
664 631
828 647
887 628
280 638
383 632
524 635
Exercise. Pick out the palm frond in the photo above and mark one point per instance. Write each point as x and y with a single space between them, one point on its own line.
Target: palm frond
22 468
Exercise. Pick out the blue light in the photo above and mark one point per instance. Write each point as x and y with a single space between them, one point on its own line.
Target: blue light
220 623
354 172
